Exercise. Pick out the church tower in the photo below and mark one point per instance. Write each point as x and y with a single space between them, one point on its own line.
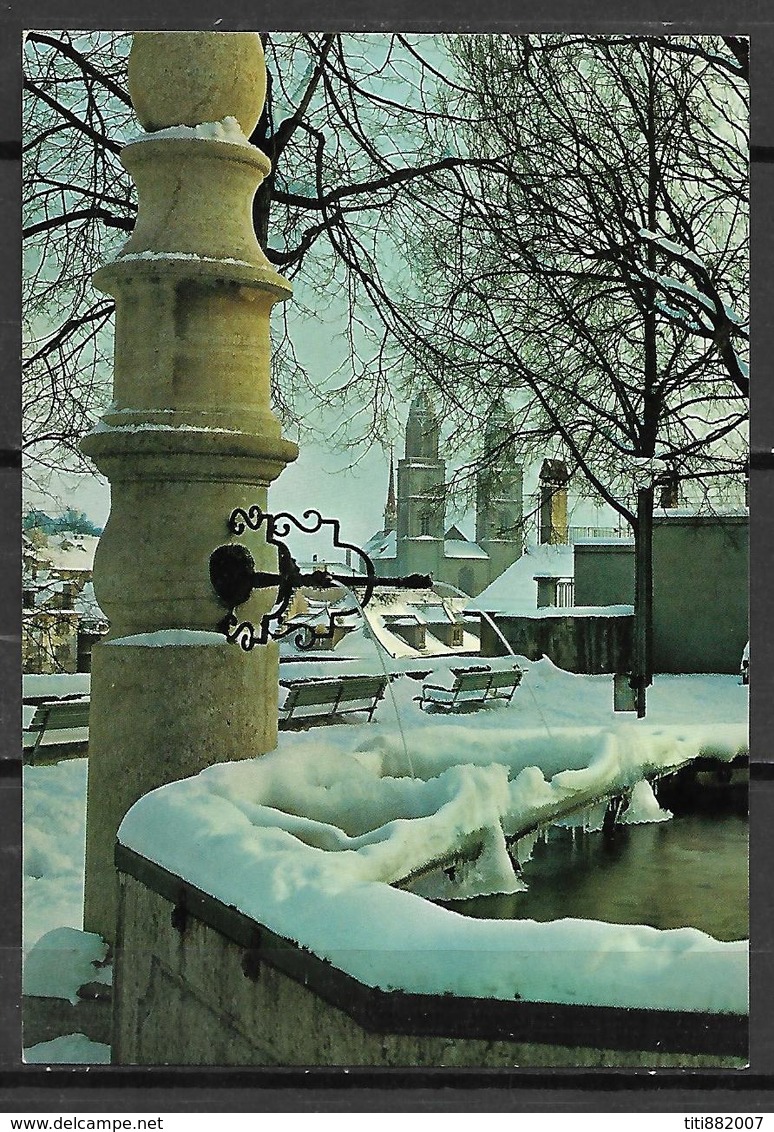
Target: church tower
421 503
499 494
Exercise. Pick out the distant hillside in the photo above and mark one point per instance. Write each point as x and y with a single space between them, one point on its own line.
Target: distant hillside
70 520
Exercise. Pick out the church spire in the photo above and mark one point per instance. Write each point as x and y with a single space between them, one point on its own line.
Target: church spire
391 509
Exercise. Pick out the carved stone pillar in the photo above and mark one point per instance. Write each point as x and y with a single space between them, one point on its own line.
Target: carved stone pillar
189 436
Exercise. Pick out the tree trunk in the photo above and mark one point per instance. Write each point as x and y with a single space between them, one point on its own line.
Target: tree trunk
642 667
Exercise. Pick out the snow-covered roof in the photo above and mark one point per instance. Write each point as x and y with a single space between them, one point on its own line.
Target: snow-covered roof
515 590
435 612
396 647
707 514
382 545
414 607
69 552
87 605
462 548
625 541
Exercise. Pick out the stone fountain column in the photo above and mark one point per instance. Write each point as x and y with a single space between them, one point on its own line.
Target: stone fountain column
189 436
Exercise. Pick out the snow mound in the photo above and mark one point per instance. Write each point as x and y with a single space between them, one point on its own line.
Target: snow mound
54 845
312 839
62 961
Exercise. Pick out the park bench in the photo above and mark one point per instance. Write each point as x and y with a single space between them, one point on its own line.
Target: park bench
472 687
54 717
320 701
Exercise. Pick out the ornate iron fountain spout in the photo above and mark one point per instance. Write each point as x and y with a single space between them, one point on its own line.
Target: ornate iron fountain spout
234 577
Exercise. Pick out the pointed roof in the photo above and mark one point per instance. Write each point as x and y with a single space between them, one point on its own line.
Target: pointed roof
391 507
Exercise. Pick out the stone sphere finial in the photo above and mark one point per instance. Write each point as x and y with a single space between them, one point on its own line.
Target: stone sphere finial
186 78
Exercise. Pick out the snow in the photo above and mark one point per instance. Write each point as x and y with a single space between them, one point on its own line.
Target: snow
134 257
394 609
643 806
68 552
228 130
677 250
54 844
579 611
87 605
176 637
462 548
382 545
62 961
710 513
373 642
681 316
56 686
311 839
70 1049
103 426
624 541
515 591
53 738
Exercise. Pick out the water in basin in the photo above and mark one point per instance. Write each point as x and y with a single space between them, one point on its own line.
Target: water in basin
691 871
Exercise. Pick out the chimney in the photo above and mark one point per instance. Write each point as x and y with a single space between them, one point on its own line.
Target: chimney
553 502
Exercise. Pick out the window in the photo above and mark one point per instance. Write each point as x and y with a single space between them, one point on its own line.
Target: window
424 524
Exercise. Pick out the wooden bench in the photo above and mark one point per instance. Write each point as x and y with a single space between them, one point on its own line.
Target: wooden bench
319 701
54 717
472 688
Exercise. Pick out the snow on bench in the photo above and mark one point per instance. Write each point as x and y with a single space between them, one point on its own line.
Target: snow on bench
319 701
65 720
472 687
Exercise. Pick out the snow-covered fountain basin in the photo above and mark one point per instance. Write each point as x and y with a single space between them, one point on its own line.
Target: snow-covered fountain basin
265 916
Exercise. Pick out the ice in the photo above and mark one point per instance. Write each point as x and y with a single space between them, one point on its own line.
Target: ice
643 806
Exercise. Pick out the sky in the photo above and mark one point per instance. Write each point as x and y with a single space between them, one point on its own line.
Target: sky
321 478
318 479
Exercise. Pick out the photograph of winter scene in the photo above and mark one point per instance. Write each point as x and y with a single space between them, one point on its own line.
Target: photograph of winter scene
385 550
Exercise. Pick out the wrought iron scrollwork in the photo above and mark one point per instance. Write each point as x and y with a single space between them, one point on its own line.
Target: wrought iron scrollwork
234 577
